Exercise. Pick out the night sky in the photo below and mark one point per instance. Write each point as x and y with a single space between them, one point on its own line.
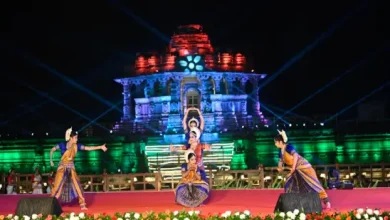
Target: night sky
71 52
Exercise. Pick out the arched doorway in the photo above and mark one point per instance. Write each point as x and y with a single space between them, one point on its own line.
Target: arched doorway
193 98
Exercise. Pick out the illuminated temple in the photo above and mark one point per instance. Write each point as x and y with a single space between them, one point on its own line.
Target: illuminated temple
190 74
223 85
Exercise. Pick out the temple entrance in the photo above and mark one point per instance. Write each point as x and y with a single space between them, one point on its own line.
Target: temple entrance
193 99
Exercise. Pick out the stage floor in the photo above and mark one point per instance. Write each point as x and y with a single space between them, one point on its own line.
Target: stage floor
257 201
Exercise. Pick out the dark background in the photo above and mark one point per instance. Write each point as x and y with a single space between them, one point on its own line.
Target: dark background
71 51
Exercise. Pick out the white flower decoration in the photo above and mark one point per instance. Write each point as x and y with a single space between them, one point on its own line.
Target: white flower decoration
81 215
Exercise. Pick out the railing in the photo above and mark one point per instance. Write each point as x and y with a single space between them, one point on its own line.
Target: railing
369 175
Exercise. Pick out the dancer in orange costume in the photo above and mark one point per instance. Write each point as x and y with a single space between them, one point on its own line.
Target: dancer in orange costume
67 185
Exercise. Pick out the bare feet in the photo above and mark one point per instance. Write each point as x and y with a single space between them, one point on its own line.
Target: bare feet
83 207
328 205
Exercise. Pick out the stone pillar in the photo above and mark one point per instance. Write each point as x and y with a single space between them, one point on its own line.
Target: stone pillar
203 95
255 96
163 84
148 89
126 101
243 85
217 81
230 85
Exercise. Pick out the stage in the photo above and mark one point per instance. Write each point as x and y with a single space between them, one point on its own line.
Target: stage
255 200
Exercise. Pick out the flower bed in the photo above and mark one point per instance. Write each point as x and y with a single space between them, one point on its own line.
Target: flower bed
370 214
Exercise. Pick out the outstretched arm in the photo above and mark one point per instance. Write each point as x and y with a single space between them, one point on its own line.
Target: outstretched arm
101 147
51 155
172 148
201 126
184 122
206 146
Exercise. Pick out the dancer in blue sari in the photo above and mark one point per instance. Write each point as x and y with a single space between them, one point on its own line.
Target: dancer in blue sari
193 188
302 177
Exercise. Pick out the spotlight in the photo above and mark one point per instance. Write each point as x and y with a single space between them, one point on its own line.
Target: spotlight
290 125
47 134
322 124
119 170
110 131
32 134
304 124
242 126
266 126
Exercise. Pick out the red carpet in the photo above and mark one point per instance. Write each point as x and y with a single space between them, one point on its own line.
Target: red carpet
256 201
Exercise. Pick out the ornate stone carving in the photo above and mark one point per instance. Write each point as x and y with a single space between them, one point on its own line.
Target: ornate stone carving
152 107
227 110
147 91
243 106
165 108
138 110
174 107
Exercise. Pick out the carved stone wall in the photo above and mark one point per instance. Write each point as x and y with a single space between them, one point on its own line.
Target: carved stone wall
164 112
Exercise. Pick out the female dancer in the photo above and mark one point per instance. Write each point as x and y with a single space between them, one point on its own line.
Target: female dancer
192 190
193 122
302 177
66 182
37 182
195 146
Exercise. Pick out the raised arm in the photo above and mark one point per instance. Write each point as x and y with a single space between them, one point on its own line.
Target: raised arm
184 122
201 126
51 155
